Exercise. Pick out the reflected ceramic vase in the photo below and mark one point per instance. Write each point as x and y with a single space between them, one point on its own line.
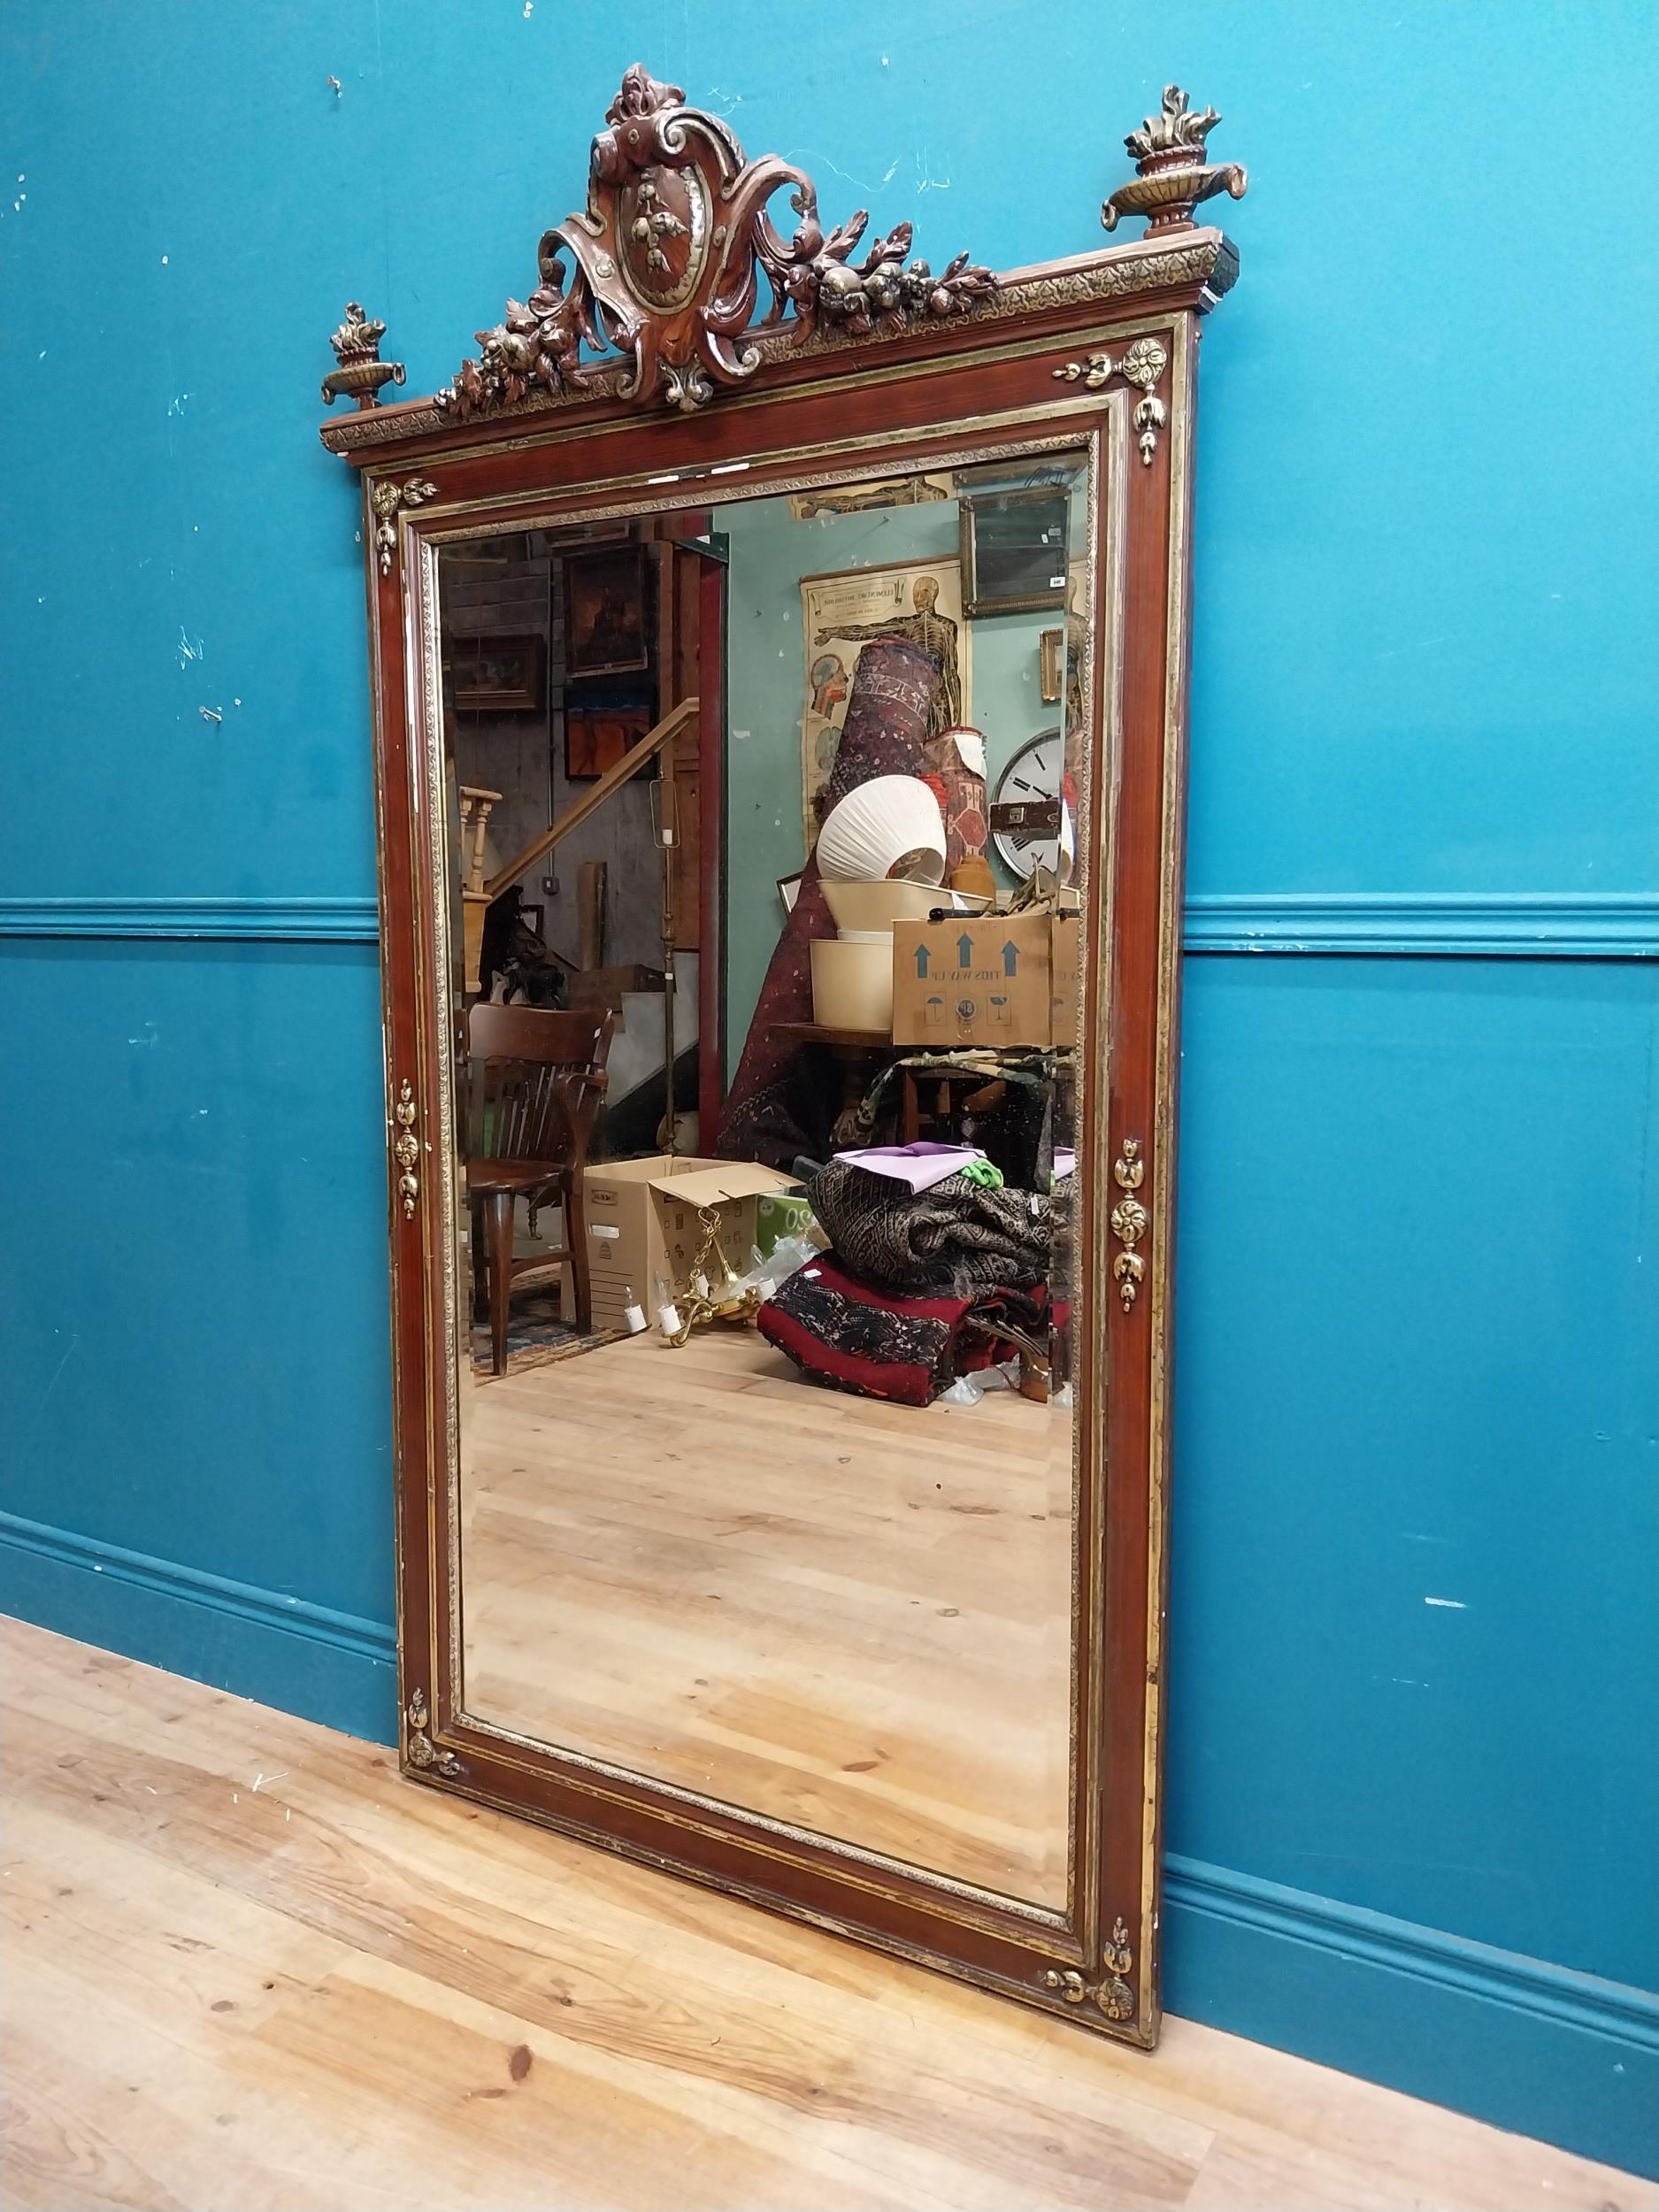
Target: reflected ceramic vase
955 761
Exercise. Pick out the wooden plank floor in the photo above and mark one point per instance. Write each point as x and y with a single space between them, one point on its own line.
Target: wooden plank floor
852 1616
247 1967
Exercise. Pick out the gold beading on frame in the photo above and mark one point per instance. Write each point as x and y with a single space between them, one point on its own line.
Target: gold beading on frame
406 1148
1130 1221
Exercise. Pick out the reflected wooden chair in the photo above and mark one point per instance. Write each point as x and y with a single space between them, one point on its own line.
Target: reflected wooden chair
535 1080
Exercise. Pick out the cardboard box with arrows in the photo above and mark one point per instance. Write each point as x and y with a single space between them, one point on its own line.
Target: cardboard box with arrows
980 979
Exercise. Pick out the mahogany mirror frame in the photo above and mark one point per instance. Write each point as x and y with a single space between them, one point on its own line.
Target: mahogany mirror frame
599 400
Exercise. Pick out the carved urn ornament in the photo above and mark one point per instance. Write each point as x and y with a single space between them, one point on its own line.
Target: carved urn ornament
1169 152
361 372
665 263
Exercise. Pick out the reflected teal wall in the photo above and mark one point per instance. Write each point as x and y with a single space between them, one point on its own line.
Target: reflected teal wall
770 552
1417 1319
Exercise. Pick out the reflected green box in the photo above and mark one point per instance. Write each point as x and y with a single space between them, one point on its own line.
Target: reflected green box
779 1213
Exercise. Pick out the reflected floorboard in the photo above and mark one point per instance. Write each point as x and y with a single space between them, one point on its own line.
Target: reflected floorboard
843 1614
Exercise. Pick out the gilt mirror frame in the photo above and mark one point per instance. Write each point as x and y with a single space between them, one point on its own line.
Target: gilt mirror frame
631 375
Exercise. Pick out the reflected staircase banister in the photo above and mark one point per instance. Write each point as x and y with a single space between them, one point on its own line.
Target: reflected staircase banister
654 739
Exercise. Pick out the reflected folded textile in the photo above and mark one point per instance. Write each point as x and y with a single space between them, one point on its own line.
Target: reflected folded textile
957 1236
842 1332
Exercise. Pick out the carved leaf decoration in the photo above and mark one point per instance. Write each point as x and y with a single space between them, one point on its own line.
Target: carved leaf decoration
841 240
1176 125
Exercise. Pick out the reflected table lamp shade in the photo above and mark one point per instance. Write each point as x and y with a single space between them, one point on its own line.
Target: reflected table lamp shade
884 735
891 828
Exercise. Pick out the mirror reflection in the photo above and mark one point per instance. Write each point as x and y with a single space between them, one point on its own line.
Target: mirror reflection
765 819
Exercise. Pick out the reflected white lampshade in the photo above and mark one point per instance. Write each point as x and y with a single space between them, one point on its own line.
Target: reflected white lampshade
890 826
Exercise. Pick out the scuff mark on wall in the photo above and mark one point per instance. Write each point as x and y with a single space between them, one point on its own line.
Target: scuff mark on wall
75 1345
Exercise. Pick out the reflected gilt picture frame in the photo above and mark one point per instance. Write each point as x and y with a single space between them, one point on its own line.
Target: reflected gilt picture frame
499 675
605 629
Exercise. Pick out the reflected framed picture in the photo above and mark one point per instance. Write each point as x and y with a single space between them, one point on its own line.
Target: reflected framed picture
498 675
598 733
1051 664
1013 551
605 612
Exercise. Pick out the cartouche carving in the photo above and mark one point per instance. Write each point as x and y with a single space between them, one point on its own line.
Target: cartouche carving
1169 151
388 498
422 1752
1112 1994
666 261
406 1150
361 372
1130 1221
1141 366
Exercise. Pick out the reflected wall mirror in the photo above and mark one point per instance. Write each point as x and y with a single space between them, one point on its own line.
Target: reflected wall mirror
779 655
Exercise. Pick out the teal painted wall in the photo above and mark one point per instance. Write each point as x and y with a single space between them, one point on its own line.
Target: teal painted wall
1418 1310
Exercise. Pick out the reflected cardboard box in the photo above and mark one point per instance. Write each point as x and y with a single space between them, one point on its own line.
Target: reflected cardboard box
1006 980
642 1223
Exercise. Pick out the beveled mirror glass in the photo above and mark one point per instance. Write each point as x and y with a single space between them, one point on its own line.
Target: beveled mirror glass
677 1558
779 719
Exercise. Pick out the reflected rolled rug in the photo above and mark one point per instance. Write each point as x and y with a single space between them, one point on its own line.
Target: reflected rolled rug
885 734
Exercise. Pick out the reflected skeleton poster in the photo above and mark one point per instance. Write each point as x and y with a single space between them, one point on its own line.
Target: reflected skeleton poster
839 614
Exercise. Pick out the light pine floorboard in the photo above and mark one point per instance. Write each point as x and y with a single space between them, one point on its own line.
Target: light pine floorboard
851 1616
246 1966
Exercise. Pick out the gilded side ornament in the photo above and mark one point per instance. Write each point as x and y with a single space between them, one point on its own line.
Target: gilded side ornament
406 1151
1130 1222
1142 364
360 372
423 1753
665 263
388 498
1112 1994
1169 151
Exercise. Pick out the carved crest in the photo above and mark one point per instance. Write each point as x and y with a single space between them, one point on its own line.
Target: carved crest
658 300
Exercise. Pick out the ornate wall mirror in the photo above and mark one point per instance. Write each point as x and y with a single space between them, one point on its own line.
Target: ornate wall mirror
780 942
